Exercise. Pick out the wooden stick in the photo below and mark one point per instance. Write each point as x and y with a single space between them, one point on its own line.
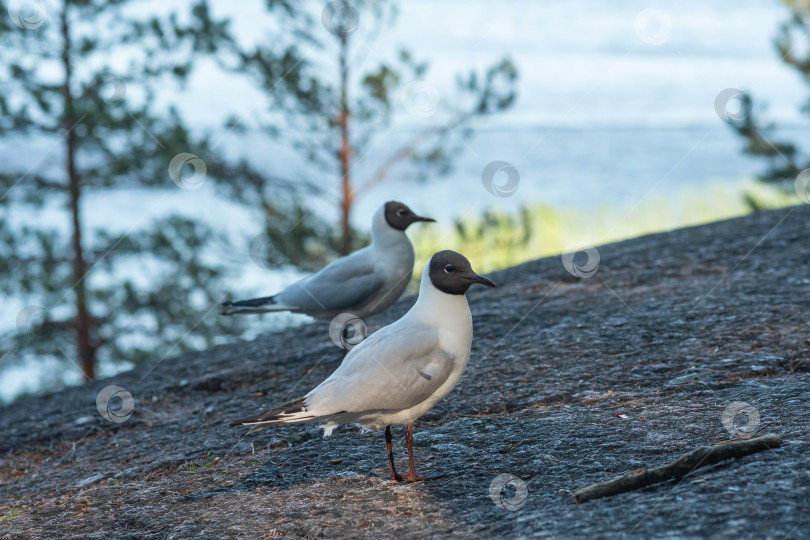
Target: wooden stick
699 457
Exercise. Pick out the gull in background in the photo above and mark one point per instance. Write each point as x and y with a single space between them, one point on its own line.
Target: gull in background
361 283
402 370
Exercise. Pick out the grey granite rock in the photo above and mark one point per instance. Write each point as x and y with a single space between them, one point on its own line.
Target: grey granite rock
670 331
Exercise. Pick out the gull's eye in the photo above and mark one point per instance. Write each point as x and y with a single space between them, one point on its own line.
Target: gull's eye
401 212
449 268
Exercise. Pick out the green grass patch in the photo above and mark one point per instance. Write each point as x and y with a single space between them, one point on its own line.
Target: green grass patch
497 239
206 463
10 514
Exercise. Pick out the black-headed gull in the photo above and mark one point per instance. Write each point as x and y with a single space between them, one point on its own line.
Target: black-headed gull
361 283
402 370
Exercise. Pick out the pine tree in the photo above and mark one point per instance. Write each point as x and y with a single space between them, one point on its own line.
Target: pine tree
334 105
80 82
785 159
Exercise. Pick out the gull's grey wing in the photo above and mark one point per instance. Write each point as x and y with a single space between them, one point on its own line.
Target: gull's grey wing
346 283
395 369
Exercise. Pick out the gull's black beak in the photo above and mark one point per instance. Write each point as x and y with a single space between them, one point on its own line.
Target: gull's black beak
420 218
483 280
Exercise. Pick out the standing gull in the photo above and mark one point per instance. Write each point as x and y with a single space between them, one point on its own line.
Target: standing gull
402 370
361 283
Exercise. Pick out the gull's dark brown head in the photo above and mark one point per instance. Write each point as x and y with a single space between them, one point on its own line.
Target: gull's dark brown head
451 273
399 216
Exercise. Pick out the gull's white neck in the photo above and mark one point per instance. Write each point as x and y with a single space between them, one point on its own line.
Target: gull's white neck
384 235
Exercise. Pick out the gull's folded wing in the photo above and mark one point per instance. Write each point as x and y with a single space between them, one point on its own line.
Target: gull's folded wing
344 284
394 369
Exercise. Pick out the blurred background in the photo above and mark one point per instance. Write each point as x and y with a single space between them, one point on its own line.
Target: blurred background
161 157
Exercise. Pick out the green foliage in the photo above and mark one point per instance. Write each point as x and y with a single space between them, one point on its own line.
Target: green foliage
498 239
298 237
784 159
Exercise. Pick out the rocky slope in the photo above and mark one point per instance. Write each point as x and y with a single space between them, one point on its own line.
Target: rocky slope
571 381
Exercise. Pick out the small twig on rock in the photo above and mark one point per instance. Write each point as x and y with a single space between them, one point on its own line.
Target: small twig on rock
699 457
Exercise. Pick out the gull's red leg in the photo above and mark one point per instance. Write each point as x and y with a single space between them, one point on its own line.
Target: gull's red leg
412 476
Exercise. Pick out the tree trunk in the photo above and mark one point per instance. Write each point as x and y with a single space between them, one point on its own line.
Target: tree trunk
347 196
85 350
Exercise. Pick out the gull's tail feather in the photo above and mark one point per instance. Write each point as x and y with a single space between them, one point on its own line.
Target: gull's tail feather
254 305
292 412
